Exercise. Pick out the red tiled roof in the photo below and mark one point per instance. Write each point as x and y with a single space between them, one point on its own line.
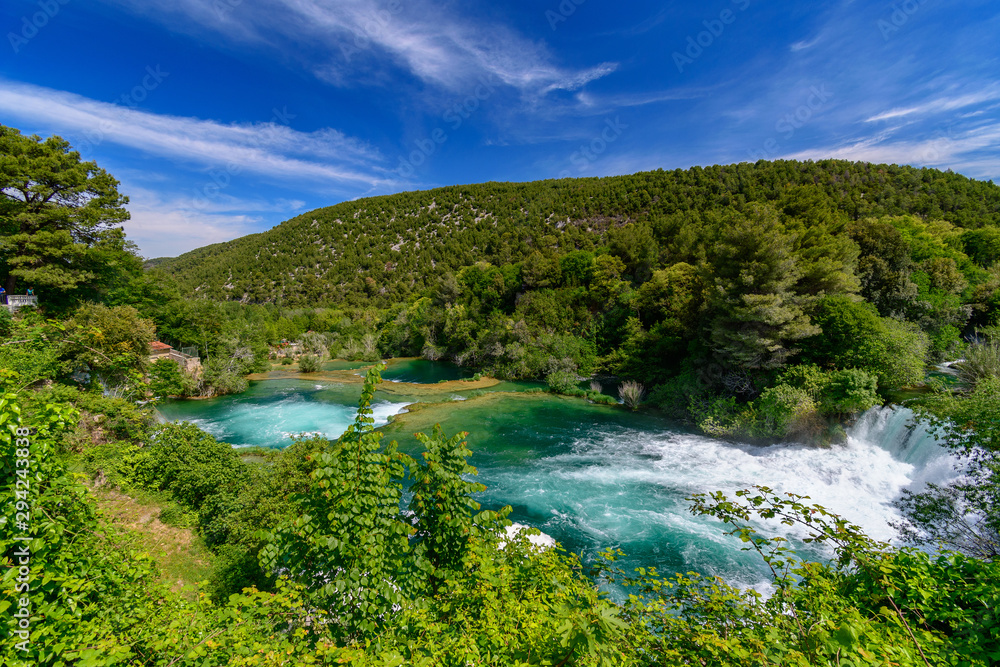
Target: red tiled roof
157 345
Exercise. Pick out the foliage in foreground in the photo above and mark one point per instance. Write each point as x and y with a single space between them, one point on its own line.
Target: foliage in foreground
964 514
361 579
870 604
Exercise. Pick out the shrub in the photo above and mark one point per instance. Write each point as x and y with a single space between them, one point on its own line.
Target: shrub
595 386
286 361
982 361
845 392
680 396
631 393
166 379
189 463
309 363
224 383
849 392
945 341
313 343
561 382
6 323
855 336
782 411
720 417
808 377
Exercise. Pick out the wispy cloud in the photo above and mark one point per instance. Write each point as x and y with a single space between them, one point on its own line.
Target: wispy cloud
435 43
170 226
940 105
804 44
969 150
327 157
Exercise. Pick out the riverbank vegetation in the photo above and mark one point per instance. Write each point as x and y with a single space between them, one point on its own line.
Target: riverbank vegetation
756 301
706 286
702 285
318 560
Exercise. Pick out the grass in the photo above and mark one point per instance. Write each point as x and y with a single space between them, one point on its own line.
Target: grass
182 557
981 361
631 393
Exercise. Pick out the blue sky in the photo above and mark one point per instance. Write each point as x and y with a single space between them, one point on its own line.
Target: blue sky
225 117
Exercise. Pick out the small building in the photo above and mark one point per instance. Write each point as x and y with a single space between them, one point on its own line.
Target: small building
187 362
158 349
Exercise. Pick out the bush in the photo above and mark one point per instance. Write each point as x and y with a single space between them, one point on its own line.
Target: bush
631 393
680 397
562 382
166 379
845 392
6 323
313 343
224 376
982 361
782 411
720 417
849 392
309 363
808 377
188 463
286 361
855 336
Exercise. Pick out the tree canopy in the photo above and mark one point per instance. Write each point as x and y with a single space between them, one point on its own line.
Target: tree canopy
60 220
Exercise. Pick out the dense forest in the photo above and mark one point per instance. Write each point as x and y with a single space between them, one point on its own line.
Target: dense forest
705 285
757 301
384 250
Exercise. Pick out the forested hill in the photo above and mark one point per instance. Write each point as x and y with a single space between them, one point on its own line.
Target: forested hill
382 250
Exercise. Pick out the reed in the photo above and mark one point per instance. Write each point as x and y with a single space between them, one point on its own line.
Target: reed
631 393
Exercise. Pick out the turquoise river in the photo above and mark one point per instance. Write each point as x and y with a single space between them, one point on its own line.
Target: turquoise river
592 477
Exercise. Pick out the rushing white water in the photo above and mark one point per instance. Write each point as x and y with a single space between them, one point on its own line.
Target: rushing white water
597 478
627 488
271 420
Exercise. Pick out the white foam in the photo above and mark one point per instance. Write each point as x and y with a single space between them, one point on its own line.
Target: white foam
860 479
541 541
381 412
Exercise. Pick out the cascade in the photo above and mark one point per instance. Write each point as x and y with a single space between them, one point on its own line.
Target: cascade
596 477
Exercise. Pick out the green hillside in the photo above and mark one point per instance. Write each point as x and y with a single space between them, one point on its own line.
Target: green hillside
383 250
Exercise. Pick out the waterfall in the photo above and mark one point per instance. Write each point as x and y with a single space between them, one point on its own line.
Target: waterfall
594 477
895 430
616 485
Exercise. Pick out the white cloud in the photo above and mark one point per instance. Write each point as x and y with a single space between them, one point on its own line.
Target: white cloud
436 44
167 227
961 151
327 157
803 45
942 104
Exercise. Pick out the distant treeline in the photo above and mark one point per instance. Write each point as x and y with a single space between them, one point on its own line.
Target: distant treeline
712 285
